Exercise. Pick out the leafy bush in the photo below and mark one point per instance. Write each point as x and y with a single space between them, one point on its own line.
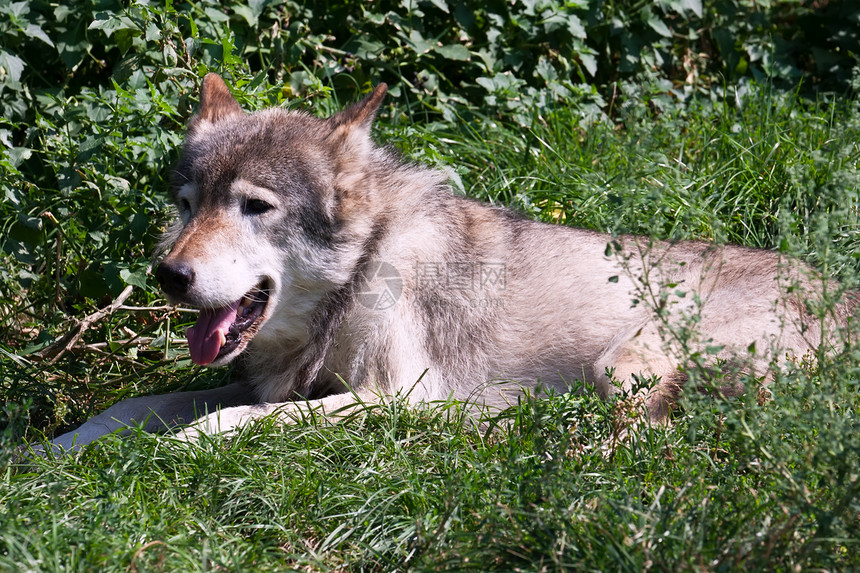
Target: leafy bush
439 55
94 95
667 118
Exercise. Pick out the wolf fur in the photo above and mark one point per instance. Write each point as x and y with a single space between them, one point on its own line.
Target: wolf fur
340 274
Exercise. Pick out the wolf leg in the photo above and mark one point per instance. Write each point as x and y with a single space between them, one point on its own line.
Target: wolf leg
642 357
153 413
231 419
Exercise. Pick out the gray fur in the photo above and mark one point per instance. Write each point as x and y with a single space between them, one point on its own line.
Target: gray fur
519 304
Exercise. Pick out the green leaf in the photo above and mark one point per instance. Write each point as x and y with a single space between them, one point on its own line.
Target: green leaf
138 225
135 278
694 6
454 52
418 43
545 70
684 7
27 229
17 10
589 62
227 51
34 31
486 83
12 65
110 23
153 33
17 155
61 12
257 6
368 49
248 14
375 18
215 15
89 147
442 5
657 24
575 27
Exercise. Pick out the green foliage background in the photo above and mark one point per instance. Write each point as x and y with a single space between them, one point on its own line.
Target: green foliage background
93 95
734 120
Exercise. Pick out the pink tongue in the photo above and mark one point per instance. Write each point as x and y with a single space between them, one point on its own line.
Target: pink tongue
204 338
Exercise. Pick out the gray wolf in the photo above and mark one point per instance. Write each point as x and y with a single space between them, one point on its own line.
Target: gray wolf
337 273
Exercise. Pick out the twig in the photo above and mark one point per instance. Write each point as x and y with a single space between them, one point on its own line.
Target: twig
141 340
104 348
133 567
157 308
53 352
107 354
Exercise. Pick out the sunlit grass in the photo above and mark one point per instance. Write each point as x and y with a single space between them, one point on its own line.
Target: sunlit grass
765 482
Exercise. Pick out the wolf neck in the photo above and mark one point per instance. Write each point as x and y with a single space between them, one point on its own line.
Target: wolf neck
298 376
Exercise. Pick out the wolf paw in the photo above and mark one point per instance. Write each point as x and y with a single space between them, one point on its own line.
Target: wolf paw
220 422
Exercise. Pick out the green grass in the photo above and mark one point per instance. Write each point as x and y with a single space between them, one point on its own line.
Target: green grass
768 481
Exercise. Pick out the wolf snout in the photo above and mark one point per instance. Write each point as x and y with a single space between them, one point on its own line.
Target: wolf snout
175 278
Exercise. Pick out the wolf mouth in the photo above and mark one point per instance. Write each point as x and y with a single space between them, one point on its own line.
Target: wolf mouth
218 332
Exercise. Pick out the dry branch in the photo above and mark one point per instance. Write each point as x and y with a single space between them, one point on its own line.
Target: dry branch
53 352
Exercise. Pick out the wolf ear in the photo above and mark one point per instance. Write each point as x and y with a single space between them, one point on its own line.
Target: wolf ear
359 117
216 101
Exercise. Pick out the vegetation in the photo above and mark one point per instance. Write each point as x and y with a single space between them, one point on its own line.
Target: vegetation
727 120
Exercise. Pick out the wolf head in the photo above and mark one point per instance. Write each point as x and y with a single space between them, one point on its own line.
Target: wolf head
263 202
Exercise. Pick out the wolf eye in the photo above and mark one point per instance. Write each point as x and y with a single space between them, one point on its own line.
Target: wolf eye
255 207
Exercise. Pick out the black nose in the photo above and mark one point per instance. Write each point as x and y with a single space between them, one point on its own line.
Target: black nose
175 278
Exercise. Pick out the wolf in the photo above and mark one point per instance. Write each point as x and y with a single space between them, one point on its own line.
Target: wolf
339 274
